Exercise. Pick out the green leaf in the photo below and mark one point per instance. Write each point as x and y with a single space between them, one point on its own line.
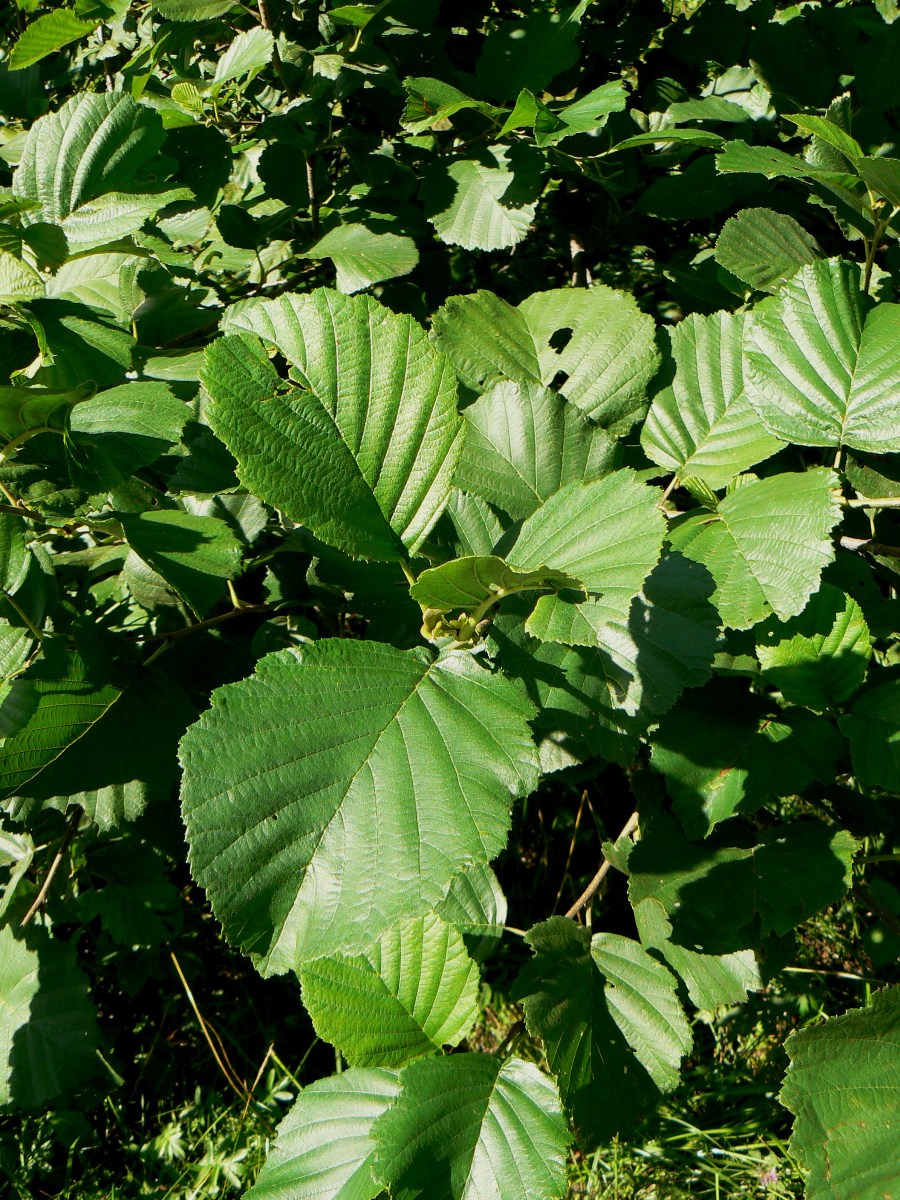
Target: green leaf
194 555
529 51
608 1014
765 545
477 526
68 705
413 991
288 774
245 57
608 358
882 175
471 1125
48 1034
723 898
86 167
703 425
18 281
15 558
523 443
324 1146
711 979
484 205
662 137
476 906
24 409
192 10
821 365
873 727
362 451
47 34
467 582
827 131
363 257
607 534
764 248
586 115
123 429
740 157
819 658
722 751
432 102
844 1090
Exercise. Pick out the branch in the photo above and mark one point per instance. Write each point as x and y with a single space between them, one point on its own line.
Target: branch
867 546
591 890
244 611
54 866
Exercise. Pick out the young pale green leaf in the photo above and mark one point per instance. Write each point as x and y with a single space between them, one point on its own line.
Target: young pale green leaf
68 704
765 545
484 205
607 534
469 1125
288 774
523 443
821 365
18 281
362 257
324 1146
610 1020
711 979
843 1088
819 658
363 451
476 906
703 425
873 727
607 357
48 1033
467 583
46 34
764 248
724 898
245 57
722 751
194 555
37 408
413 991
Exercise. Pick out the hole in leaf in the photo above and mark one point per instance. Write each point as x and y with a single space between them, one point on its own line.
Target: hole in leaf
560 339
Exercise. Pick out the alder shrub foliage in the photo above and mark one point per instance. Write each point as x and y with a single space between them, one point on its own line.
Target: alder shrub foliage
326 507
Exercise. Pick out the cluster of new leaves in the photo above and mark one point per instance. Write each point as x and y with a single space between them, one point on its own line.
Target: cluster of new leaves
482 531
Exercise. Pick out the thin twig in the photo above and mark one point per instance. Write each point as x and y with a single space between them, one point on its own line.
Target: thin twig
313 202
591 890
231 1075
867 546
54 866
208 623
834 974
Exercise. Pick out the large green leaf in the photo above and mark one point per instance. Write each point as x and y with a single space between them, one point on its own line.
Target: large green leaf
873 727
69 702
843 1088
523 443
291 771
722 898
96 150
470 1125
363 257
765 545
607 534
48 1034
703 424
764 248
610 1020
723 751
363 448
324 1146
122 429
47 33
484 204
819 658
821 364
195 555
413 991
607 357
18 281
